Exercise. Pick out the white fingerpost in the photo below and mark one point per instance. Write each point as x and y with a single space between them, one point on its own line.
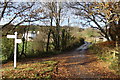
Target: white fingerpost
15 47
15 50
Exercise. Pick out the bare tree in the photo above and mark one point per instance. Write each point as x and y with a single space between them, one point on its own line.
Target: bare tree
101 14
55 12
17 13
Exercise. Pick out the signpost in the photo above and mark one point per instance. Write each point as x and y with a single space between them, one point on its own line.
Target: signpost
15 47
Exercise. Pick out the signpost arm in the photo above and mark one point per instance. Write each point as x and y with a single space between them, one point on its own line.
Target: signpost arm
15 47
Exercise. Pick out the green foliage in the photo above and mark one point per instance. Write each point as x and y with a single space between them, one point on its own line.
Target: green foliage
28 49
7 48
82 40
89 33
69 38
108 54
115 61
39 43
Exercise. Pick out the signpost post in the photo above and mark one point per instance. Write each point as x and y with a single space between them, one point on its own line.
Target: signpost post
15 47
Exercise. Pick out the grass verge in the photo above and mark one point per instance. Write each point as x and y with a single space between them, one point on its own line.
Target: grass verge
37 70
108 53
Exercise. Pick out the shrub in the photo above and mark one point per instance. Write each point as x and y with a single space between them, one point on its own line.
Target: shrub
107 44
107 52
82 40
7 48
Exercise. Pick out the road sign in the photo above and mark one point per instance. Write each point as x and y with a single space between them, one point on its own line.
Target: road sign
18 41
15 48
10 36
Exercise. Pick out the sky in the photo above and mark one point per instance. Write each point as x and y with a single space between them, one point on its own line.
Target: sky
73 21
62 0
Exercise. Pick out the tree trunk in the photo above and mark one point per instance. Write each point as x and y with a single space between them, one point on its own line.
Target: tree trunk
50 30
48 40
17 52
63 42
55 40
23 46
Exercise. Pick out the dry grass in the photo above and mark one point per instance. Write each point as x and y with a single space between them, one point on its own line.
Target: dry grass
41 70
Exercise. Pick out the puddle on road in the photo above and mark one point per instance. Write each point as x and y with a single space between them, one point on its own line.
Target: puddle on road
80 54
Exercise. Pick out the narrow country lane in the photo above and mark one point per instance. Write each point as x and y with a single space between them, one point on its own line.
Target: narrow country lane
82 65
78 64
